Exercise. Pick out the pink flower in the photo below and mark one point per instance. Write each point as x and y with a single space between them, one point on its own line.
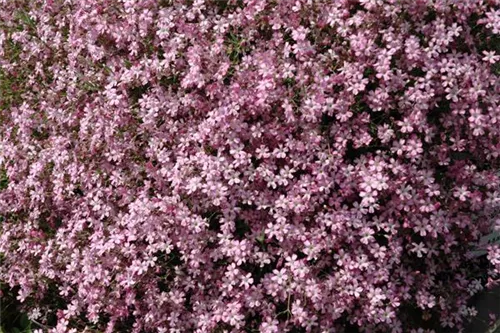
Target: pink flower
461 193
491 57
269 327
197 166
280 276
419 249
246 281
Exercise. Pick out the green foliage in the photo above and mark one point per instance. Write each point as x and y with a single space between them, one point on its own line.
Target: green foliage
228 5
11 88
4 180
170 82
11 318
235 47
25 19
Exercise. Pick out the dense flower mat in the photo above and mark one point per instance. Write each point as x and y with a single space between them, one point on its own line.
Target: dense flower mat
248 166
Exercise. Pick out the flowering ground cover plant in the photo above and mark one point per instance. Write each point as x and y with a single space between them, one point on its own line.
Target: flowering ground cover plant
248 165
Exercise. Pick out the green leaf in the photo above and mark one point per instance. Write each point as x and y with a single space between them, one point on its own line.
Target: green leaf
26 19
25 322
16 330
261 238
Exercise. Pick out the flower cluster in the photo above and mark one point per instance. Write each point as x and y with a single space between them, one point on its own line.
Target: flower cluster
258 165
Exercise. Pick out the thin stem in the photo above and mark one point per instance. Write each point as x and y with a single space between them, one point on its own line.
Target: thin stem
39 324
